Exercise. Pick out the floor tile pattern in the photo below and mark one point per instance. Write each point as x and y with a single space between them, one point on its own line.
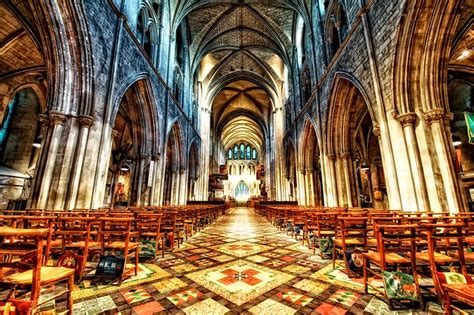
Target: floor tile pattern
241 264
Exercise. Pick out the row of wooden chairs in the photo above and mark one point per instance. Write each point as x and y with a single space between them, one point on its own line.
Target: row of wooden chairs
388 240
29 238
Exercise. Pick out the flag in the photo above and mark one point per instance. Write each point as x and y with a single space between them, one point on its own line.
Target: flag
470 126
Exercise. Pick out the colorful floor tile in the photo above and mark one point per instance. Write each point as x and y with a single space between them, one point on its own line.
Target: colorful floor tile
313 287
344 297
294 297
271 307
296 269
183 268
184 296
239 281
206 307
241 249
148 308
329 309
169 285
258 258
135 295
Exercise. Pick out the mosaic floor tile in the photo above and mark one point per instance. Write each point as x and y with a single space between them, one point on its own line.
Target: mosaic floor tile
169 285
296 269
239 281
148 308
146 273
94 306
206 307
294 297
314 287
183 268
329 309
271 307
241 248
184 296
257 258
135 295
223 258
344 297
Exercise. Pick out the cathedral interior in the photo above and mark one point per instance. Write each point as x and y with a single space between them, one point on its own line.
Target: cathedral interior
237 156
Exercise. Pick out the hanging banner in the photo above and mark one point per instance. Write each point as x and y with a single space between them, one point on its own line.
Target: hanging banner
470 126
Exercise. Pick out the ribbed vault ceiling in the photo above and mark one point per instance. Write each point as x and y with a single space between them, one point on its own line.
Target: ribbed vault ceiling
240 50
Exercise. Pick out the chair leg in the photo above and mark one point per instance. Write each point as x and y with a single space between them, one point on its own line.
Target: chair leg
364 272
70 287
137 254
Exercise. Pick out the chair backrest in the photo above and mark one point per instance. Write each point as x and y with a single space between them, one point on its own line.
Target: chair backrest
352 227
397 239
116 229
149 224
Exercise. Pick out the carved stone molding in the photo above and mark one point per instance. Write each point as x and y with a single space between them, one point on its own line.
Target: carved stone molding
182 170
156 157
86 121
346 155
115 133
448 117
303 171
57 118
331 157
407 119
376 131
434 115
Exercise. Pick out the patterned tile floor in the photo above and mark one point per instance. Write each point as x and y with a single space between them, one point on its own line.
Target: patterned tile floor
239 265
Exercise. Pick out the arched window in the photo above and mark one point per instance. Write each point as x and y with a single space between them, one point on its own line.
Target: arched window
254 154
248 155
242 151
236 152
140 26
6 121
229 154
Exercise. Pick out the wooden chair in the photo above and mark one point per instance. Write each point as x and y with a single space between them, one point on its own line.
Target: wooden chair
149 228
33 276
326 228
75 235
168 229
396 249
461 290
351 235
116 235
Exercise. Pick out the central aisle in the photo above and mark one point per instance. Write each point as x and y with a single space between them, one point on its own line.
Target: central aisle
241 264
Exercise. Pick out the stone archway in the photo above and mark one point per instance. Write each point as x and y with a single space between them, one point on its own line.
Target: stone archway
129 181
310 167
174 169
355 170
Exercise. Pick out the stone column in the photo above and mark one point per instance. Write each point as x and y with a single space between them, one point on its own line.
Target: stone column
141 168
301 187
346 160
332 180
435 119
40 167
310 184
182 187
407 121
85 123
153 190
57 124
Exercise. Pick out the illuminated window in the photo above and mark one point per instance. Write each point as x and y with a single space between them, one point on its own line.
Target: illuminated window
242 152
236 152
248 153
254 154
229 154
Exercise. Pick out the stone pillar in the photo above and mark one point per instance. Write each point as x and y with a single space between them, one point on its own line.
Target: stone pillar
435 119
141 168
346 160
154 189
40 167
310 184
182 187
407 121
57 124
333 194
85 123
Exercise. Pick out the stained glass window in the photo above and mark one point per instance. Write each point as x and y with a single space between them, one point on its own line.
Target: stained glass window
248 153
254 154
6 122
229 154
236 153
242 152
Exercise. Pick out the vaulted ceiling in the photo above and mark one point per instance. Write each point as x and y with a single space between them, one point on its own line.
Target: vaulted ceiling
240 50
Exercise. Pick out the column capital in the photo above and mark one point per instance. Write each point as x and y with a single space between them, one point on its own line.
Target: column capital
434 115
86 121
115 133
346 155
376 131
310 171
156 157
302 171
407 119
448 117
57 118
331 157
182 170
